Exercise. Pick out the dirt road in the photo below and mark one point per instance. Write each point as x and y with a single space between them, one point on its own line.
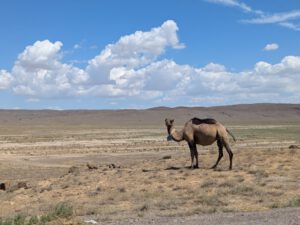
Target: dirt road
288 216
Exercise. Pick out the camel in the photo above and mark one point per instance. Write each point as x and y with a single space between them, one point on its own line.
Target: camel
202 132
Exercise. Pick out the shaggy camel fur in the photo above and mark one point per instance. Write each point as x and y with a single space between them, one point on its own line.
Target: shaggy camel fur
202 132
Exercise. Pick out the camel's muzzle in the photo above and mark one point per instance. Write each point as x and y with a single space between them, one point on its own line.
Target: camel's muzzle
169 137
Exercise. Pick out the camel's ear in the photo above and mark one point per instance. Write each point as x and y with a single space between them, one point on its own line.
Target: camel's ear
172 121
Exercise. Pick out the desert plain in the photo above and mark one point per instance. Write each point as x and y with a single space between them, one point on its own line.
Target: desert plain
116 166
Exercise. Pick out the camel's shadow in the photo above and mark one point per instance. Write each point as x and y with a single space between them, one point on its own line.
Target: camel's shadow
182 168
174 168
189 168
168 168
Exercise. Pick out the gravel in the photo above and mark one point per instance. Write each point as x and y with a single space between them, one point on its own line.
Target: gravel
287 216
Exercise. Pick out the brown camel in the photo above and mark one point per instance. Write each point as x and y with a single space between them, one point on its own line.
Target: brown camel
203 132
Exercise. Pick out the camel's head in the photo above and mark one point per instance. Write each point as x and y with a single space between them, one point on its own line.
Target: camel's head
169 125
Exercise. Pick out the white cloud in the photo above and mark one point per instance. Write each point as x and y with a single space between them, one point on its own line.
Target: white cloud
271 47
290 25
134 51
265 82
5 79
77 46
39 73
275 18
130 69
233 3
282 19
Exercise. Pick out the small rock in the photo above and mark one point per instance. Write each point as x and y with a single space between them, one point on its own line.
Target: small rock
49 188
2 186
294 147
65 186
144 208
167 157
113 166
91 166
22 185
18 186
74 170
90 221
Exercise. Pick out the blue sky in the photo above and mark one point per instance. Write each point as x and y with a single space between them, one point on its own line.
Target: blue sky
140 54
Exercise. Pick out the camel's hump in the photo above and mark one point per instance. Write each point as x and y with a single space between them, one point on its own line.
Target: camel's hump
198 121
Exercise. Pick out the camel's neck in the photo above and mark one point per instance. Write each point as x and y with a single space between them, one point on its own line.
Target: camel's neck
176 135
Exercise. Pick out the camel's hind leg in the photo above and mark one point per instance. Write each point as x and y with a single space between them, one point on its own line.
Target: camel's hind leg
196 156
228 149
220 146
192 150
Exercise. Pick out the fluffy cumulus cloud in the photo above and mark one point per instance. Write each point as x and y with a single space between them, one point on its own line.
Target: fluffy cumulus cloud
5 79
38 72
271 47
133 51
132 68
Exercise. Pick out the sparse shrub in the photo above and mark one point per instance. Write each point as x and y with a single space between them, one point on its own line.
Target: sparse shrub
294 202
240 179
177 188
274 206
19 220
6 222
227 184
144 207
209 183
98 189
212 200
259 174
63 210
45 218
200 210
33 220
242 190
122 190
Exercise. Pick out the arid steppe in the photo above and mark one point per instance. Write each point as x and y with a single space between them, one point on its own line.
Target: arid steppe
67 167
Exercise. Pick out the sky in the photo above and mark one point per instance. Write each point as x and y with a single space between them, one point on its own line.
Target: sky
109 54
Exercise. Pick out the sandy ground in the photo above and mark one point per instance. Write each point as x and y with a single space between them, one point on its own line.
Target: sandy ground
134 176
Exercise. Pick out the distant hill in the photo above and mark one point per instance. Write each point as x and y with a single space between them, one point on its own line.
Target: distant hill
233 114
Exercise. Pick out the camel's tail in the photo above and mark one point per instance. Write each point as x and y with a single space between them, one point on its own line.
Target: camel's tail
231 134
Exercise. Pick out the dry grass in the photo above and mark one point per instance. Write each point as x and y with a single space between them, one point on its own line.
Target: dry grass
142 181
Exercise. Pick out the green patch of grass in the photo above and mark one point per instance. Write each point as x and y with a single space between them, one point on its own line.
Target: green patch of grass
33 220
6 222
46 218
287 132
274 205
212 200
294 202
243 190
61 210
17 220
